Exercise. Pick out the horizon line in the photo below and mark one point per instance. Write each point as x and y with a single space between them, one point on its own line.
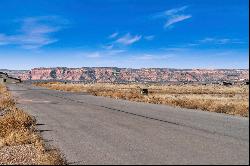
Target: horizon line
133 68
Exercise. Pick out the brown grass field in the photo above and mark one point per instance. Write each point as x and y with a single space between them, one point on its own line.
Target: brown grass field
215 98
20 143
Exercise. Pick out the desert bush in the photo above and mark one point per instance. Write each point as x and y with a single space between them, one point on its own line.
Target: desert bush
6 102
215 98
15 120
18 128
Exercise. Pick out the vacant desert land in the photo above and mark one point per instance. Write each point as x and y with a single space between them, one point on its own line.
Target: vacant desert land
20 143
215 98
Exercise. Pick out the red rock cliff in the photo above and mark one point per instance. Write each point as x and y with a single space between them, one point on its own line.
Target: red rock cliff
113 74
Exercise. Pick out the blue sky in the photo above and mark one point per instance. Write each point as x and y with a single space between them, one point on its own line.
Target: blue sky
124 33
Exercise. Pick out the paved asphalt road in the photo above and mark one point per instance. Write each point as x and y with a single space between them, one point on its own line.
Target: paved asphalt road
98 130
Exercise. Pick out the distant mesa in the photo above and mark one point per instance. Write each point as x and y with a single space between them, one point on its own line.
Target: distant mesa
128 75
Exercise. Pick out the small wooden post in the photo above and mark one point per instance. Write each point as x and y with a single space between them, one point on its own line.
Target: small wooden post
144 91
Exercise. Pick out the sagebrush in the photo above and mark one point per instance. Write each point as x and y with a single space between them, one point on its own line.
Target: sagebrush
18 128
215 98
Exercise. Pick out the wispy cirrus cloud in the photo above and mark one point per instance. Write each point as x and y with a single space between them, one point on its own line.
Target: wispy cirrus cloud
176 18
115 52
128 39
97 54
125 40
108 46
175 10
120 43
93 55
173 16
34 32
210 41
213 40
147 57
150 37
113 35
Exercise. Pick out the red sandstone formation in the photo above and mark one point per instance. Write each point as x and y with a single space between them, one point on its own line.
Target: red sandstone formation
113 74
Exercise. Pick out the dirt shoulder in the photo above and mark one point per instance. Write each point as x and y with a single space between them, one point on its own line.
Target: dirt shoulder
20 142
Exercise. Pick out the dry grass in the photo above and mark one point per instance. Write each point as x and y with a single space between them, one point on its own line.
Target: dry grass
17 129
215 98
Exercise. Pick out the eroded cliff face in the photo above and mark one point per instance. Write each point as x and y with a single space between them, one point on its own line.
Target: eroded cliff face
113 74
42 74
